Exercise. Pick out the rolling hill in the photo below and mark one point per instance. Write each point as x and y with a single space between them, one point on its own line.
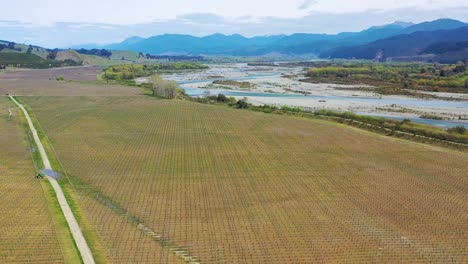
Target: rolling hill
29 56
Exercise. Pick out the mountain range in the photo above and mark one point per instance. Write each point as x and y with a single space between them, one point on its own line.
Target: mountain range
344 45
443 40
404 45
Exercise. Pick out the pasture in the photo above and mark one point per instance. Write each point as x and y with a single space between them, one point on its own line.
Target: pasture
234 186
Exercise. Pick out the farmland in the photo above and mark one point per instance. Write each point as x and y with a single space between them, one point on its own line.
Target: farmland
70 73
29 231
235 186
61 88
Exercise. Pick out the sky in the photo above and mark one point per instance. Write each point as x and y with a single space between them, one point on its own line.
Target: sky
52 23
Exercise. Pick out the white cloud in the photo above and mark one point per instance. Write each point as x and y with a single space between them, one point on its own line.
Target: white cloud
306 4
75 25
124 12
140 11
351 6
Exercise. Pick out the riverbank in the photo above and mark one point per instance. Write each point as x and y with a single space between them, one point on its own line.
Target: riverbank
282 86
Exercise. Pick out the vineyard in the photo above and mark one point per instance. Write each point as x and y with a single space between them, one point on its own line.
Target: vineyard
62 88
162 181
27 228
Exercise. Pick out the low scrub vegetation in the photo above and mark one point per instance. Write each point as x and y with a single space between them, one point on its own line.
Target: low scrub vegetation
96 52
458 130
393 76
243 85
132 71
28 60
433 117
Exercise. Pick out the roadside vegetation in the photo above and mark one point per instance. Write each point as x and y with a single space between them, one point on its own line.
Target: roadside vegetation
392 78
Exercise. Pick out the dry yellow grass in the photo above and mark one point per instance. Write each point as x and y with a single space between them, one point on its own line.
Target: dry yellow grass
233 186
27 228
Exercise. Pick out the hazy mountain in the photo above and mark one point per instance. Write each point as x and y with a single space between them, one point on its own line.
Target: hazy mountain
401 45
445 46
295 44
187 44
447 52
302 43
439 24
122 45
299 43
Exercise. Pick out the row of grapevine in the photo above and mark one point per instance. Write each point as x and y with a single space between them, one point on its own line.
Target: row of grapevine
233 186
27 228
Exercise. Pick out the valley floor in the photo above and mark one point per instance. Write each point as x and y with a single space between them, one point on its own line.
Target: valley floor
168 181
226 185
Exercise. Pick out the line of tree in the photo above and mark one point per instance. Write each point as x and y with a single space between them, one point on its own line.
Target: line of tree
52 54
96 52
9 45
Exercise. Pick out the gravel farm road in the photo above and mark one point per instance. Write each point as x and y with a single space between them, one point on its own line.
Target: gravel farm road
75 230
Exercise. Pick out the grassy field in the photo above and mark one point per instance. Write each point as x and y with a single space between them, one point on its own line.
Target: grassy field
29 230
234 186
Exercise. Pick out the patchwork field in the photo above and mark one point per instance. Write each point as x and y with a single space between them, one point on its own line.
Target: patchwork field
27 228
157 177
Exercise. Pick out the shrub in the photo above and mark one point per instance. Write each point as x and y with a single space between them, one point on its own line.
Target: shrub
242 103
457 130
221 98
232 101
163 88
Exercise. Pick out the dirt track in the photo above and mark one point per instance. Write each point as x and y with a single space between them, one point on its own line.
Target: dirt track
75 230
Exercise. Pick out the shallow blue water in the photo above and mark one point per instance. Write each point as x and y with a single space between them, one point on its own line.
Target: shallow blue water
409 102
249 77
402 102
432 122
